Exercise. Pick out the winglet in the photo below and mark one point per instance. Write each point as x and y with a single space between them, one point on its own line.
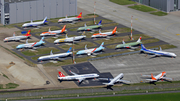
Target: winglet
160 49
49 30
123 42
66 36
99 22
85 25
27 41
69 50
14 34
99 31
80 15
86 47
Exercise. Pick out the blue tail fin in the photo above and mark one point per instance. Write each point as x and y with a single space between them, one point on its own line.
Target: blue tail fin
45 20
99 22
142 47
42 40
69 50
102 45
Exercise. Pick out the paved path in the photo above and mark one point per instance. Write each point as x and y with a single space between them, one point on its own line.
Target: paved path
164 28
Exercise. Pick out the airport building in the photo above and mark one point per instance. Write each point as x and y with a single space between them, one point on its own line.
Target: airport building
16 11
163 5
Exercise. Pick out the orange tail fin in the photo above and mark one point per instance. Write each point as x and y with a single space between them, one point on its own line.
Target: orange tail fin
63 29
28 33
80 15
61 74
153 78
114 30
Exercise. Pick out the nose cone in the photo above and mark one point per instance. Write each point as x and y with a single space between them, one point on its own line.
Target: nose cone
60 20
24 25
5 39
174 55
19 46
92 36
56 41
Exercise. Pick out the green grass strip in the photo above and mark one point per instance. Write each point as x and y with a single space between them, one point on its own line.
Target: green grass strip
142 8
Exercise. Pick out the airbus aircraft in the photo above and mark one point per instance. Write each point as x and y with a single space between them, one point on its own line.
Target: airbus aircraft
115 80
71 19
129 45
91 51
31 45
158 77
55 56
35 24
70 39
89 28
104 34
52 33
75 76
157 53
18 38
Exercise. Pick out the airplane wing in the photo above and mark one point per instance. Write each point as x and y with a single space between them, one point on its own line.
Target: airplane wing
124 81
73 72
151 80
166 78
80 79
105 79
56 58
147 75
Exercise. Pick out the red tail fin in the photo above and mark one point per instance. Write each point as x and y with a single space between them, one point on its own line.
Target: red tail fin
61 74
80 15
153 78
63 29
114 30
28 33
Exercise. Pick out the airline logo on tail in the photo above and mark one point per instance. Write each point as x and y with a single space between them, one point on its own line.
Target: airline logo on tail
28 33
80 15
61 74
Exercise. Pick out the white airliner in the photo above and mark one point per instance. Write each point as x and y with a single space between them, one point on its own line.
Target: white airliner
104 34
70 39
75 76
157 53
115 80
49 33
35 24
18 38
55 56
70 19
158 77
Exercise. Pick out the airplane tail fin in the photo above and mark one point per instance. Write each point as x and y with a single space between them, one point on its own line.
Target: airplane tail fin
114 30
79 16
45 20
99 22
63 29
152 77
142 47
139 40
28 33
69 50
61 74
42 40
102 44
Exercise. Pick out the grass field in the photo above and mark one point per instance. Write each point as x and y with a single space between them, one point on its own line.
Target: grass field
39 51
123 2
159 13
150 97
142 8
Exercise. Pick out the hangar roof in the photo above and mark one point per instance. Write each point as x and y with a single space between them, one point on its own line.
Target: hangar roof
13 1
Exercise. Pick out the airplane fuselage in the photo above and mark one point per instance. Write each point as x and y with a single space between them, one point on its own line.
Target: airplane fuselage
54 56
89 51
70 39
158 53
29 45
77 77
128 44
51 33
88 28
68 19
33 24
101 34
15 38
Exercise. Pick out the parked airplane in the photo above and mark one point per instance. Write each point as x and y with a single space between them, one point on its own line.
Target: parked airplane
31 45
35 24
53 33
89 28
75 76
91 51
71 19
18 38
158 77
70 39
115 80
55 56
157 53
129 45
104 34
